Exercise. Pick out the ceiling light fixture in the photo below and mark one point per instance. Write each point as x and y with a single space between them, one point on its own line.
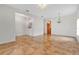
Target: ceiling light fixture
42 6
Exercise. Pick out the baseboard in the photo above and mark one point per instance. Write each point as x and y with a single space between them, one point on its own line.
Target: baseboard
8 41
52 35
20 34
63 35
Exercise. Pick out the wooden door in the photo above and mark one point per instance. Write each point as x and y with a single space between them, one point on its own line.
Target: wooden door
49 28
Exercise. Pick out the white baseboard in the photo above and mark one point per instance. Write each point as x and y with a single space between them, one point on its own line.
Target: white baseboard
8 41
20 34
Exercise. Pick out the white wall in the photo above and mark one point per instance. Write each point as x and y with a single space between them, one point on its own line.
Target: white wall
38 26
78 29
22 22
78 24
19 22
67 27
7 24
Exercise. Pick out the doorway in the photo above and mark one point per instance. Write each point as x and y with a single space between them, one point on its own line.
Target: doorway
48 27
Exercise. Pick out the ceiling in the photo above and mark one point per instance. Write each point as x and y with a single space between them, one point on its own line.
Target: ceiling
50 11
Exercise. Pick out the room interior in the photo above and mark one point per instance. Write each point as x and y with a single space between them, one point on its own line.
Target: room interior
39 29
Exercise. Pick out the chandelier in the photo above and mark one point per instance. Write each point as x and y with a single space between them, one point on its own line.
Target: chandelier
42 6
